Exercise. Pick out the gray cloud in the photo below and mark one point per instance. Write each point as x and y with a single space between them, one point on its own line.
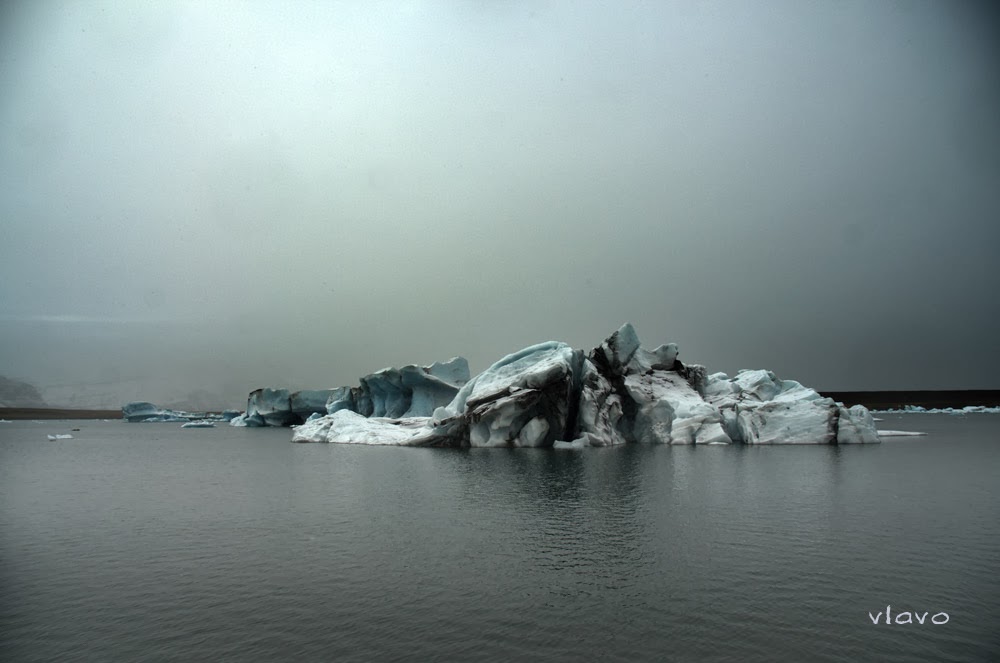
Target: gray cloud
311 192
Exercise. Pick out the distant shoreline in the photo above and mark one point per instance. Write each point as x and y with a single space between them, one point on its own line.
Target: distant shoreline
21 413
874 400
896 400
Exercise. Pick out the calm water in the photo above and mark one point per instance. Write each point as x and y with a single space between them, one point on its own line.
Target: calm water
152 542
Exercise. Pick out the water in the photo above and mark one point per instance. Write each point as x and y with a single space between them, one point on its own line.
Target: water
151 542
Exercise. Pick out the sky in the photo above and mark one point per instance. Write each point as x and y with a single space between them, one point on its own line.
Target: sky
217 196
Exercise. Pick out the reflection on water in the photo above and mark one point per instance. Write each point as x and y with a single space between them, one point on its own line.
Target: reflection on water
147 541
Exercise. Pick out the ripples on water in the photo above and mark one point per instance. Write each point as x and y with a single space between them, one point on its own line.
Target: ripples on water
149 542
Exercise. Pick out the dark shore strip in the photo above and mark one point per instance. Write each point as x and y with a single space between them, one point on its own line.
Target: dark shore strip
895 400
12 413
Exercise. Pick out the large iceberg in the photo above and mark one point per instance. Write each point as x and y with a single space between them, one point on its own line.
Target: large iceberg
550 395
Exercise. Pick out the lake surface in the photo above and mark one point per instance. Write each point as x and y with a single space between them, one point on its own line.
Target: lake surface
152 542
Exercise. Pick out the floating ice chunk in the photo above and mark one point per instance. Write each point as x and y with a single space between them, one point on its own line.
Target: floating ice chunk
347 427
855 425
578 443
899 433
969 409
203 423
247 421
60 436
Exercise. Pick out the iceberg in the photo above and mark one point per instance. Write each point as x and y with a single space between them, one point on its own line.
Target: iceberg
551 395
856 425
201 423
60 436
578 443
392 393
142 411
968 409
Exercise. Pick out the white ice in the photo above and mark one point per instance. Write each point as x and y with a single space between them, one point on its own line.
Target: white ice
969 409
347 427
520 401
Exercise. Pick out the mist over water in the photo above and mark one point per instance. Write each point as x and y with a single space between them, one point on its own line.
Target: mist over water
220 198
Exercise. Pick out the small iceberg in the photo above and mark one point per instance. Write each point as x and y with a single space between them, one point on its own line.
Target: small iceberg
60 437
899 433
578 443
142 411
198 424
919 409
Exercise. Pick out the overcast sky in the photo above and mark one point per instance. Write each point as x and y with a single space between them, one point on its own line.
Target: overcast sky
231 195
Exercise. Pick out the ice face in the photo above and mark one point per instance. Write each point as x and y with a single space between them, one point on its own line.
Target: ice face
670 411
600 412
856 426
530 368
618 349
410 391
272 406
788 422
308 402
523 400
759 408
341 398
